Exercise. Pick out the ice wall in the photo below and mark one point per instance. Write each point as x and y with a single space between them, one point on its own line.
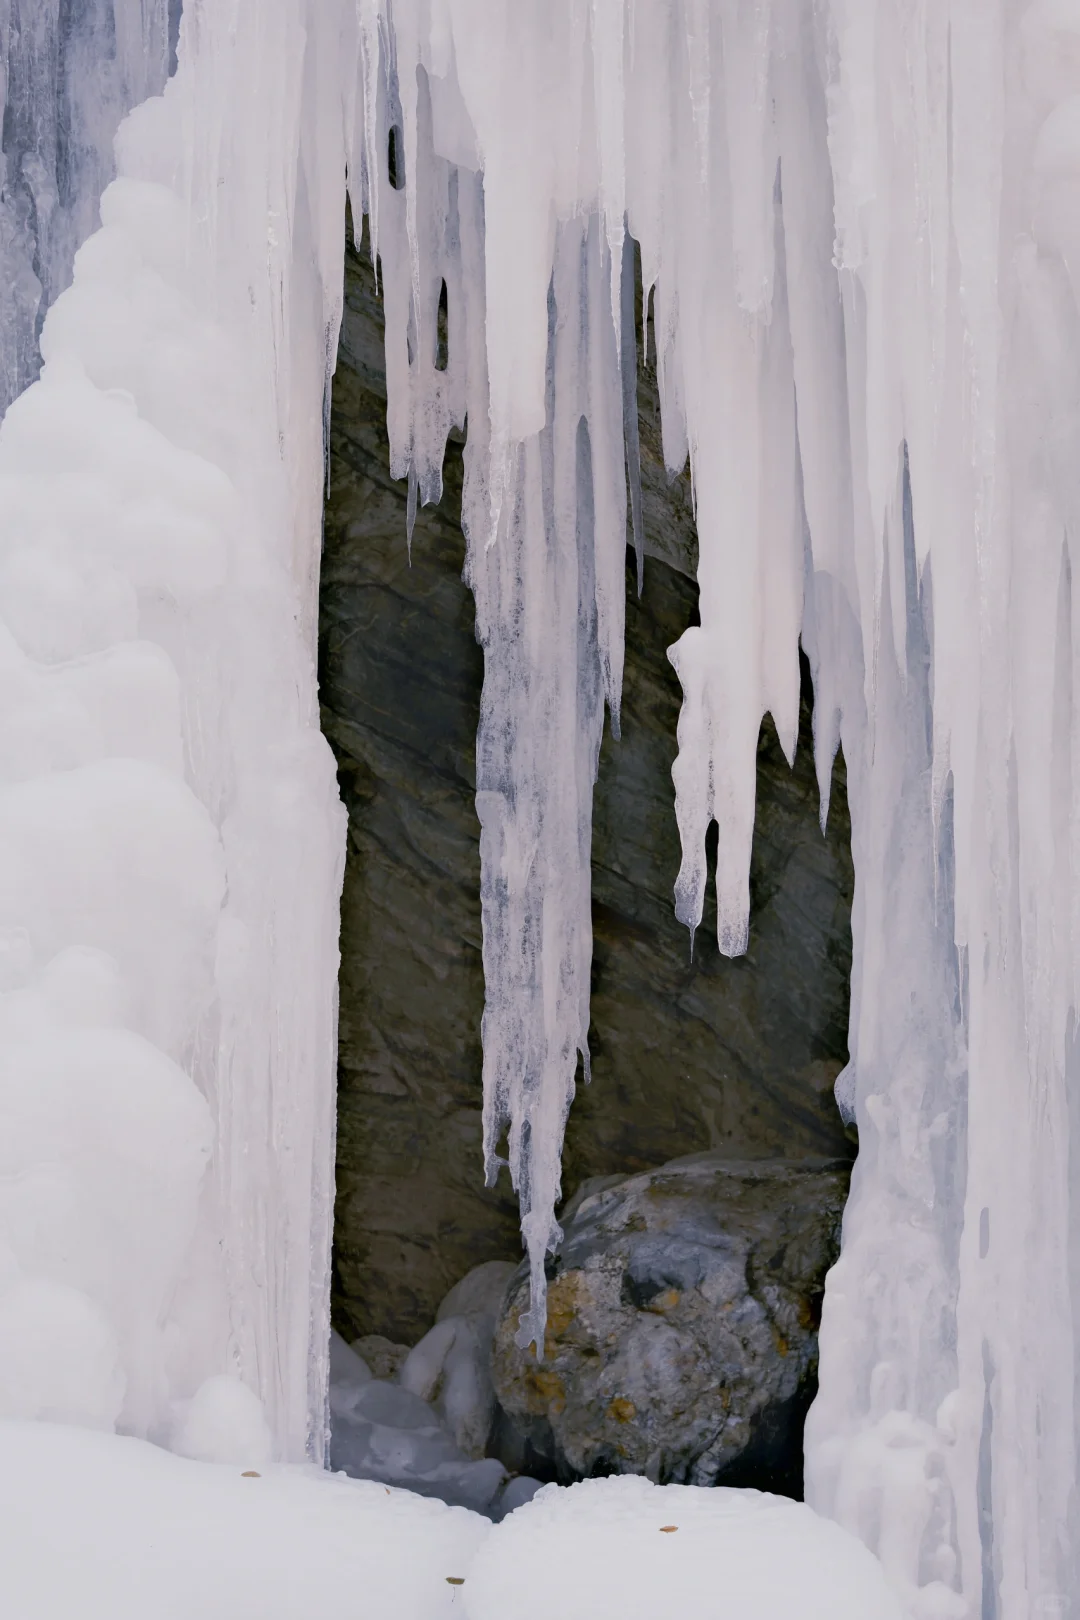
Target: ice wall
171 851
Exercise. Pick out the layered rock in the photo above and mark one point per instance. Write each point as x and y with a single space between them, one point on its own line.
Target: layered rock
681 1342
688 1054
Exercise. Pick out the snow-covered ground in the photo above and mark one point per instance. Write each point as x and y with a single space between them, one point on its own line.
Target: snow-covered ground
98 1527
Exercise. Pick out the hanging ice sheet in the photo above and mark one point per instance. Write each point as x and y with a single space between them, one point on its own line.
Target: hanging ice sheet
853 224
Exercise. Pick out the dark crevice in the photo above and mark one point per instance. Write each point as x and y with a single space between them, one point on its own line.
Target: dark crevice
442 331
395 158
734 1057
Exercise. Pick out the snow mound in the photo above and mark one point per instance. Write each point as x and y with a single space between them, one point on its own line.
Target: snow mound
111 1528
623 1549
115 1529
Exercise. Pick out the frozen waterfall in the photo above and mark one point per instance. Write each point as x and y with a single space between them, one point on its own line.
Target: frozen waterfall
858 224
171 852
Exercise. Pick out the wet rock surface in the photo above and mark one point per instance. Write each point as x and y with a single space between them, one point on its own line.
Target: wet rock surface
424 1420
683 1308
737 1057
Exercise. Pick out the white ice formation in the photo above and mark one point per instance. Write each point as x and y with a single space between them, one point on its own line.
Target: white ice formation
170 831
859 229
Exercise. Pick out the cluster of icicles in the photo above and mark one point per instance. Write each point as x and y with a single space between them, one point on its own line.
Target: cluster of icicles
858 228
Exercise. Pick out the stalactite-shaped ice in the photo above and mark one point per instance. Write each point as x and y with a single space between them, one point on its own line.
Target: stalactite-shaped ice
854 228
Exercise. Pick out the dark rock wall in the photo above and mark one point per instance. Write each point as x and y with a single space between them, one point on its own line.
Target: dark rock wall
687 1055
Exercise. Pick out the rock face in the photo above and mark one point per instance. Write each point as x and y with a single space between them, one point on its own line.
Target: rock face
682 1326
688 1055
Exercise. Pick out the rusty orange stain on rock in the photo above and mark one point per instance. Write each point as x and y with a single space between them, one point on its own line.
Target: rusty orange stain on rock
546 1389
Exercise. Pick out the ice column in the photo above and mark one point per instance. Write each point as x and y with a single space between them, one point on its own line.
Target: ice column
172 837
945 1430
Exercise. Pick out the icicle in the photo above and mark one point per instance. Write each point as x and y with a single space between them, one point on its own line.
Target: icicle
542 711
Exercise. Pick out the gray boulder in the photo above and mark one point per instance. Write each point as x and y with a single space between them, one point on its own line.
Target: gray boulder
682 1326
383 1356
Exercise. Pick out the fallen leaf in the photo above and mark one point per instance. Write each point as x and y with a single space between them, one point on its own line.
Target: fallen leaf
455 1580
250 1473
666 1529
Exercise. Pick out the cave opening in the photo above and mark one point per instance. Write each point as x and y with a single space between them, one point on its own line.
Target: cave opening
726 1066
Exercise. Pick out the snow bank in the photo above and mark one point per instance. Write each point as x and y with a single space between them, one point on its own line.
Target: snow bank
115 1529
623 1549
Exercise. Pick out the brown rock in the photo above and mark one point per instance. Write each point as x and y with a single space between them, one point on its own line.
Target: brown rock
383 1357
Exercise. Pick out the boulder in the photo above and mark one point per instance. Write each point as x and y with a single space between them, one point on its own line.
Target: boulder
381 1431
383 1356
683 1307
451 1365
427 1430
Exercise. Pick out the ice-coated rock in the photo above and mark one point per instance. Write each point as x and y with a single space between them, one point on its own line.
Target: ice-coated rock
451 1365
381 1431
514 1494
479 1293
682 1315
383 1356
347 1366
